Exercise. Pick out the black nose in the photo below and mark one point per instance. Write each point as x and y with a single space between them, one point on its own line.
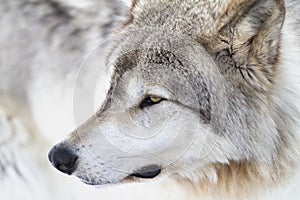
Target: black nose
63 159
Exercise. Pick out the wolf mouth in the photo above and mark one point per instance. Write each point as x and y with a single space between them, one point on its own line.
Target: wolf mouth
147 172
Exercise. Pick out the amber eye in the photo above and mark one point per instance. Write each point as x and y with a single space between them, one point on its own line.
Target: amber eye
155 99
150 101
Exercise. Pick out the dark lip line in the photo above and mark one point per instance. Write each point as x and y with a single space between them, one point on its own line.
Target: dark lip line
147 175
127 179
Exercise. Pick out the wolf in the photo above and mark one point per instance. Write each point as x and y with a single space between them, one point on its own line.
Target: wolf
203 93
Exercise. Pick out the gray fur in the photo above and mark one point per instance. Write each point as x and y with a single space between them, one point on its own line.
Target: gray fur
221 60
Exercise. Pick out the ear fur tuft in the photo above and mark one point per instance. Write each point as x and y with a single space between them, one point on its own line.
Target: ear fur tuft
251 55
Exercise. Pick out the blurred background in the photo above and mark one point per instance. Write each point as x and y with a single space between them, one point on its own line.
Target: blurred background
52 58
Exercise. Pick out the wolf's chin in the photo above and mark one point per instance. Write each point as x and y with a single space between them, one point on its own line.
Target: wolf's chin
92 183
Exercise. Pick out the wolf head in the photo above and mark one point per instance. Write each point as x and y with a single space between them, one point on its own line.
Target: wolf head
193 85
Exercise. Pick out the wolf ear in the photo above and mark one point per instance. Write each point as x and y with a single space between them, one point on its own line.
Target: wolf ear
248 46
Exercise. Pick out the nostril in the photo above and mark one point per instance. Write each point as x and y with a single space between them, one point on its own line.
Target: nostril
63 159
68 169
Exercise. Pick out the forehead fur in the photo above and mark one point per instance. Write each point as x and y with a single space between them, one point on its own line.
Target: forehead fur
208 16
156 45
132 59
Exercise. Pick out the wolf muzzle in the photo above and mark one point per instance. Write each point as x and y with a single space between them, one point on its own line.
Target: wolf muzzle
63 159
